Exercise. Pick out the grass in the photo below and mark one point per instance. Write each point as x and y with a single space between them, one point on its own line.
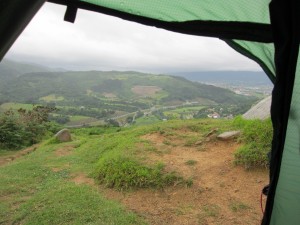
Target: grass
78 118
15 106
52 98
31 192
257 138
123 173
38 188
120 168
4 152
191 162
146 120
211 210
208 211
184 209
186 109
238 206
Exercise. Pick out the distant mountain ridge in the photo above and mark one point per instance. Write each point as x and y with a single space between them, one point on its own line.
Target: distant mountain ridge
13 69
120 91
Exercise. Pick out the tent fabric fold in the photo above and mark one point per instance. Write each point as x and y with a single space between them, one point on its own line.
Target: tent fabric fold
224 29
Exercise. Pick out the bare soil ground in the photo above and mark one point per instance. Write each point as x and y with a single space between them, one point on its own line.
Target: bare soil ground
145 90
66 150
17 154
109 95
221 192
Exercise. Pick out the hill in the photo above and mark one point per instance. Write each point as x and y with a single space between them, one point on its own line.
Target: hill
168 173
11 69
108 94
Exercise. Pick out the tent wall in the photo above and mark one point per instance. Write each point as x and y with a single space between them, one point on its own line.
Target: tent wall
287 197
262 53
190 17
285 20
14 17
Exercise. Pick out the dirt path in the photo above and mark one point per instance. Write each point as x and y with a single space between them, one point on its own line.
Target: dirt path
221 192
17 154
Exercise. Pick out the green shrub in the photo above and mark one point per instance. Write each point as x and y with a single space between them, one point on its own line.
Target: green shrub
23 127
11 132
256 137
125 173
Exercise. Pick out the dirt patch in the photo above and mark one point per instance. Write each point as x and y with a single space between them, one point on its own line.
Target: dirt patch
64 151
81 178
61 168
145 90
17 154
221 192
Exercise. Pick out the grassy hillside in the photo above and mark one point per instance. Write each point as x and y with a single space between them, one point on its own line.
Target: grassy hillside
168 172
100 94
111 87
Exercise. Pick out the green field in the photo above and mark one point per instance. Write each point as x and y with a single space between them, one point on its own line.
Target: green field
15 106
80 120
52 98
180 111
186 109
146 120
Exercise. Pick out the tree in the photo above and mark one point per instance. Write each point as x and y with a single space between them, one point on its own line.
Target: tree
23 127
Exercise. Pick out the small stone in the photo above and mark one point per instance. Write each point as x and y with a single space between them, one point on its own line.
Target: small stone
199 143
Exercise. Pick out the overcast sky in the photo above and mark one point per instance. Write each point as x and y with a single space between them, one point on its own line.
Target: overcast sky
102 42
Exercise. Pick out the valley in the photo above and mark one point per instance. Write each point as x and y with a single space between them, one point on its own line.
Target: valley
83 98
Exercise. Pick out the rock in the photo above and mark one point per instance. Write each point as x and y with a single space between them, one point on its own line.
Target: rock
229 135
260 111
63 135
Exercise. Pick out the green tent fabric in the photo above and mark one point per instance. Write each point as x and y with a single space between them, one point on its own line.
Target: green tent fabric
263 30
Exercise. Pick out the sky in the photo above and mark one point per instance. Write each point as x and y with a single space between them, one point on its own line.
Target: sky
100 42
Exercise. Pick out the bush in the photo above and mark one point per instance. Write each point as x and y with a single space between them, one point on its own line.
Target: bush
11 132
124 173
23 128
257 137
